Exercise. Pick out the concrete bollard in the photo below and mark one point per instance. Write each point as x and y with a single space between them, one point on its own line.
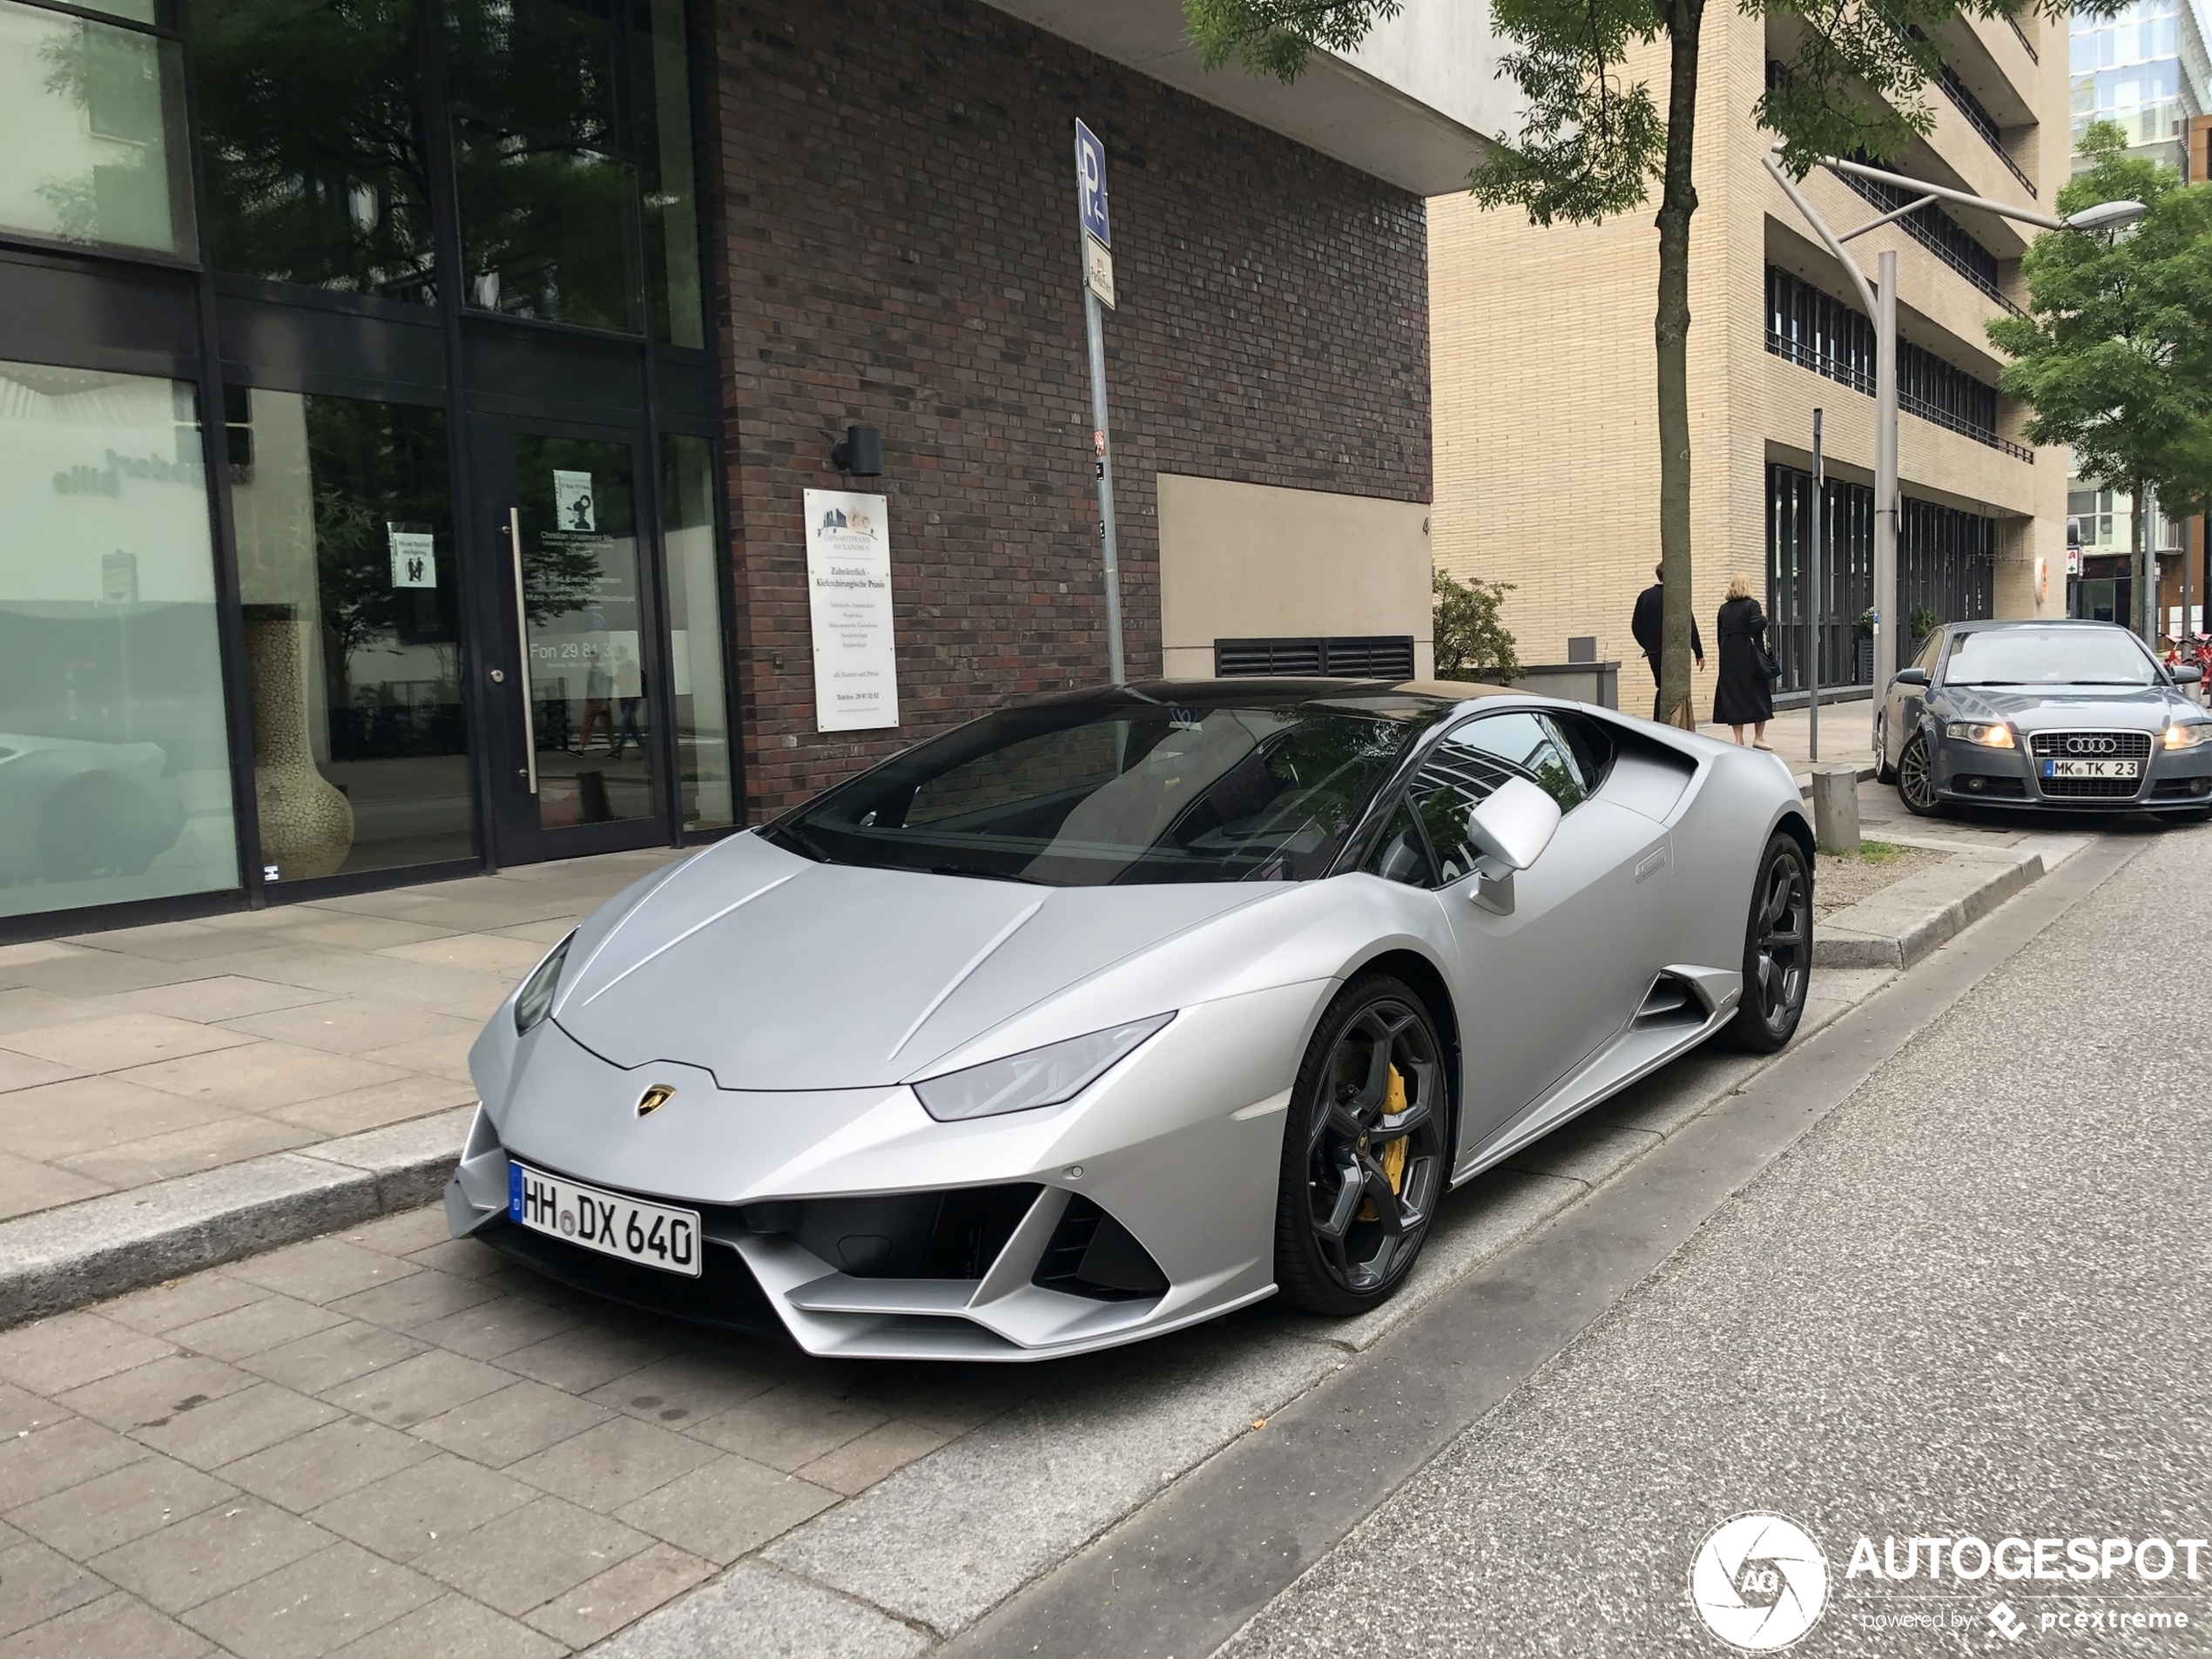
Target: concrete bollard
1834 809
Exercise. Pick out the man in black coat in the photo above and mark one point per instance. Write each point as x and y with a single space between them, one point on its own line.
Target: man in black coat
1648 625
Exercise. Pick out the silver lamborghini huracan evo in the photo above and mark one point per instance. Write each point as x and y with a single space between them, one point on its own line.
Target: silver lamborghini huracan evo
1114 1011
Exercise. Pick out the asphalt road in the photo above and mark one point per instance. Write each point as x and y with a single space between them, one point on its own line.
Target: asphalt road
1971 1302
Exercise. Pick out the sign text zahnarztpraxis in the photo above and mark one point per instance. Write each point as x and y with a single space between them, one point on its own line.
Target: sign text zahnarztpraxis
849 594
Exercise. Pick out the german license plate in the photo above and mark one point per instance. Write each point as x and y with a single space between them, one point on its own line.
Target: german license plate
652 1234
2092 768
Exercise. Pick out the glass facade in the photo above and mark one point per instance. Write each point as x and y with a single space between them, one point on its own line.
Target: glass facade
115 765
1946 571
2143 67
319 612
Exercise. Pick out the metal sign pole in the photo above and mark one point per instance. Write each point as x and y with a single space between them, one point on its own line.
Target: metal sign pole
1812 647
1094 239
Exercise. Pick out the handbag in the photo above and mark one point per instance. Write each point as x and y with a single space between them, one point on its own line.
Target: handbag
1763 659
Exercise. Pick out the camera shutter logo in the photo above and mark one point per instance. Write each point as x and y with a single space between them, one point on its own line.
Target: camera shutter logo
1759 1582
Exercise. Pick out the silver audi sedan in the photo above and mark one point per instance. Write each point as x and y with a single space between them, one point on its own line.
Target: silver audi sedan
1110 1013
2067 716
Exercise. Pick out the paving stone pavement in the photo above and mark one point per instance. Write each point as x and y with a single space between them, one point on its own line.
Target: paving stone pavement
388 1442
136 1056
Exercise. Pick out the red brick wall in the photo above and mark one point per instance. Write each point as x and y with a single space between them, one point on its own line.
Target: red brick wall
896 245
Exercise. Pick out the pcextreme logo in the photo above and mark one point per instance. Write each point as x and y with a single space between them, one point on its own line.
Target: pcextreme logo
1759 1582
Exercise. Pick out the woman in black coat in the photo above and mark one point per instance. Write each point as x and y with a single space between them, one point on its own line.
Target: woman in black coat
1744 695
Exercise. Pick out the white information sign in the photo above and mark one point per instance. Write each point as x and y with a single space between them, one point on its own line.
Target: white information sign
415 557
848 592
575 505
1098 269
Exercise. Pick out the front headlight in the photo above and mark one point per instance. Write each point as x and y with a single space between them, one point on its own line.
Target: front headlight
1997 736
1037 1078
534 1001
2192 735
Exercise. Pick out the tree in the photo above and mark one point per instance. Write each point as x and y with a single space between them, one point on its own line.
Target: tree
1593 139
2113 355
1472 638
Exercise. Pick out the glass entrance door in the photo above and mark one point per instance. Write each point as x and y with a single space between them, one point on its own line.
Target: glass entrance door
576 682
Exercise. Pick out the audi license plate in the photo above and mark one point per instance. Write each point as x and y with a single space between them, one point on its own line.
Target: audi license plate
2092 768
652 1234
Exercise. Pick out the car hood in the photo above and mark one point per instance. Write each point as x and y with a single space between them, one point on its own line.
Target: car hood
2126 708
775 972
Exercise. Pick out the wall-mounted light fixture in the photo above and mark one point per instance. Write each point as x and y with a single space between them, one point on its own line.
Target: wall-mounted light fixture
860 453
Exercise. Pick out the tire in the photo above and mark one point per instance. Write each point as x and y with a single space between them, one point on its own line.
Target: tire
1349 1217
1883 773
1777 951
1916 778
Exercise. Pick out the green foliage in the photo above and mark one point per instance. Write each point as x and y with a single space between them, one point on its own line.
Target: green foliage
2114 356
1925 622
1471 638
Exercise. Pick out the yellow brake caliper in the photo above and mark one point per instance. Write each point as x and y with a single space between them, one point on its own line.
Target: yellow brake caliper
1393 1156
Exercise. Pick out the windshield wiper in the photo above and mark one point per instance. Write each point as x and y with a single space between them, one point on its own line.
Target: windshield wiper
795 840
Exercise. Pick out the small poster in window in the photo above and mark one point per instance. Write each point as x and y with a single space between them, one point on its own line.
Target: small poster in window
415 557
575 504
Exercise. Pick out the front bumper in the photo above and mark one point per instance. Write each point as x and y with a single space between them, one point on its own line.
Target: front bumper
2172 780
867 1230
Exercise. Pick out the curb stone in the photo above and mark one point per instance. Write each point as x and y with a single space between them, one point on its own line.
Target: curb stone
1902 923
56 1259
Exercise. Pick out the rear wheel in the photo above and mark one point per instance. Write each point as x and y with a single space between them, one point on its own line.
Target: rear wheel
1364 1158
1916 778
1777 951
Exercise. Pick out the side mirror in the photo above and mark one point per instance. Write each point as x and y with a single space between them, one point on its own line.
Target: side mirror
1909 677
1514 825
2186 673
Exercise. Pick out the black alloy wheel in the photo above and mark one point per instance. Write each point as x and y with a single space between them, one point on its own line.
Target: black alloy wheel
1916 778
1363 1156
1777 951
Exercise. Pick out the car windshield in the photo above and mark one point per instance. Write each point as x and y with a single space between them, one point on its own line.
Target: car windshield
2047 657
1088 794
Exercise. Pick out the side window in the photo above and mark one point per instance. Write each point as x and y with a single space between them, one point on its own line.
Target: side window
1402 856
1473 760
1590 746
1929 652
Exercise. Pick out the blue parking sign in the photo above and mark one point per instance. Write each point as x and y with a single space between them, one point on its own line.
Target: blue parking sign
1090 183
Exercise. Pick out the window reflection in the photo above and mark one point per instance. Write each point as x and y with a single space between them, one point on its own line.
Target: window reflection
547 231
349 575
91 133
115 780
695 632
664 104
541 65
317 170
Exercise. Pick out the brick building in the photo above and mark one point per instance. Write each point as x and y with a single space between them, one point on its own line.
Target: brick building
411 406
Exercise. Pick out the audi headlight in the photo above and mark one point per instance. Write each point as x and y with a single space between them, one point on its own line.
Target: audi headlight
2197 732
1996 736
1045 1077
534 1001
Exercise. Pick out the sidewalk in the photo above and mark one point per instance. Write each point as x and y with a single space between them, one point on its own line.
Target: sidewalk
135 1056
1846 737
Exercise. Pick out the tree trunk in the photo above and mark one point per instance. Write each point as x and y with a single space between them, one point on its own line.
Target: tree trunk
1677 201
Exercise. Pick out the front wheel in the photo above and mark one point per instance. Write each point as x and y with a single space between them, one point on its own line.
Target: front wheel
1363 1157
1916 778
1777 951
1883 773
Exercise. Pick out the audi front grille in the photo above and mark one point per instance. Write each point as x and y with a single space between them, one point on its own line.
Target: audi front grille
2091 746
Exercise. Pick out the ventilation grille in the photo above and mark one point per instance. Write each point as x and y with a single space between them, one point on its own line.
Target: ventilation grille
1367 656
1670 1000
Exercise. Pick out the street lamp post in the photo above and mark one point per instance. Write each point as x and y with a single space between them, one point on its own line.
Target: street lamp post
1880 299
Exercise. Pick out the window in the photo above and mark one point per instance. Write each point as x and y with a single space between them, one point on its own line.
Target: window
1473 761
1402 853
688 543
350 580
317 169
92 132
116 783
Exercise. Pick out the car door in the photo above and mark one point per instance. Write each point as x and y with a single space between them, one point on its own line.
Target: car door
1901 708
1549 975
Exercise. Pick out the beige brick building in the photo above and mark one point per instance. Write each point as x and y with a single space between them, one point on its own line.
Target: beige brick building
1547 452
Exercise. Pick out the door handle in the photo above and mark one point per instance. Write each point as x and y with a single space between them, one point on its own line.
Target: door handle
522 638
